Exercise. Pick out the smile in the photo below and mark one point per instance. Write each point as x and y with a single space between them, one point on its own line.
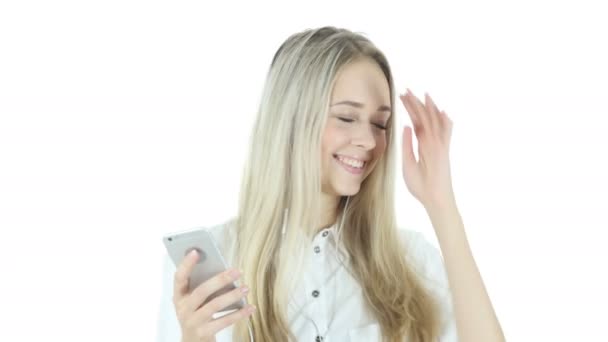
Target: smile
353 166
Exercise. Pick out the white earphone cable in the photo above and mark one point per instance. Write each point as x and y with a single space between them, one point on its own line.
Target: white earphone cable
338 255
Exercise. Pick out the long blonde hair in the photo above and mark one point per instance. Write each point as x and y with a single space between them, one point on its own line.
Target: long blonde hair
283 170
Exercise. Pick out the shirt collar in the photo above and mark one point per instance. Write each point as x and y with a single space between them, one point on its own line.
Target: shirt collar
328 237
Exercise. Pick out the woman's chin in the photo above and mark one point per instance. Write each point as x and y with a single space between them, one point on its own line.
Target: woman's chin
348 189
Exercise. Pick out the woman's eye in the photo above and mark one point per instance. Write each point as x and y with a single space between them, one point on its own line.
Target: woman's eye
346 119
380 126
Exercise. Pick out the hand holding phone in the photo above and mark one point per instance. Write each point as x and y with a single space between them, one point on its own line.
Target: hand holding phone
204 286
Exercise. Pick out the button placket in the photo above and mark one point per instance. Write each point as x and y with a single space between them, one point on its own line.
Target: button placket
315 282
312 308
321 304
318 293
320 242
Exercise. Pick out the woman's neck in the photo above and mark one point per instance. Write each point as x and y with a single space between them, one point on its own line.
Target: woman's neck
329 207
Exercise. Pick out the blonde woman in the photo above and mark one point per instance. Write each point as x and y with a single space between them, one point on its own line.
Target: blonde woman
315 237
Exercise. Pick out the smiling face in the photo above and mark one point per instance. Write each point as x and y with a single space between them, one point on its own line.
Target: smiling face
354 137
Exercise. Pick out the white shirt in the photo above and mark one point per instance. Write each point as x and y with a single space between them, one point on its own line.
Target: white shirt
322 283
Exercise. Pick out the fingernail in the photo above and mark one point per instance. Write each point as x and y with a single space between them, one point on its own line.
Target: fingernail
244 289
251 308
193 252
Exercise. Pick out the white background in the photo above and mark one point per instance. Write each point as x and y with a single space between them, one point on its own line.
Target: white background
121 121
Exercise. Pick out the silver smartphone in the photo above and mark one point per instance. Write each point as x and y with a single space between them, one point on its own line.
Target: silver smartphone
210 263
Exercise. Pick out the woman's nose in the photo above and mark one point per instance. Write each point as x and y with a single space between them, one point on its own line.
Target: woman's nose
364 137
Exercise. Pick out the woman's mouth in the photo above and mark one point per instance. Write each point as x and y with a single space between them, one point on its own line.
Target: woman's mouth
353 166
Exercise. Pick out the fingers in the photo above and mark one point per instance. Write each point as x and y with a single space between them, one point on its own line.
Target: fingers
421 113
427 118
217 304
196 320
409 106
218 324
433 114
200 294
443 124
407 147
182 276
446 126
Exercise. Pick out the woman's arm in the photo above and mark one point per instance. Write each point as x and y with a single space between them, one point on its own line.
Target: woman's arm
475 317
429 180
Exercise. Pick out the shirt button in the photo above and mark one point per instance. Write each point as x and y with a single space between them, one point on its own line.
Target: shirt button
317 249
325 233
318 338
315 293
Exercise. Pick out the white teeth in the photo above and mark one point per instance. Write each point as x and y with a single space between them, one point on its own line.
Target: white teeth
354 163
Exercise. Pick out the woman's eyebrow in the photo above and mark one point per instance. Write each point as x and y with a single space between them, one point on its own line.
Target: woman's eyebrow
382 108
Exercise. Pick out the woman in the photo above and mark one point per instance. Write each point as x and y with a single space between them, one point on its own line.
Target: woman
321 255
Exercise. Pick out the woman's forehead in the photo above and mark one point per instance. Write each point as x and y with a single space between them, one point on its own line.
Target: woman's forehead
362 82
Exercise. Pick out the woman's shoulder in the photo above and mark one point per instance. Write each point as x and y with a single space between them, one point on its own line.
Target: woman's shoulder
428 263
220 231
424 256
224 234
416 242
